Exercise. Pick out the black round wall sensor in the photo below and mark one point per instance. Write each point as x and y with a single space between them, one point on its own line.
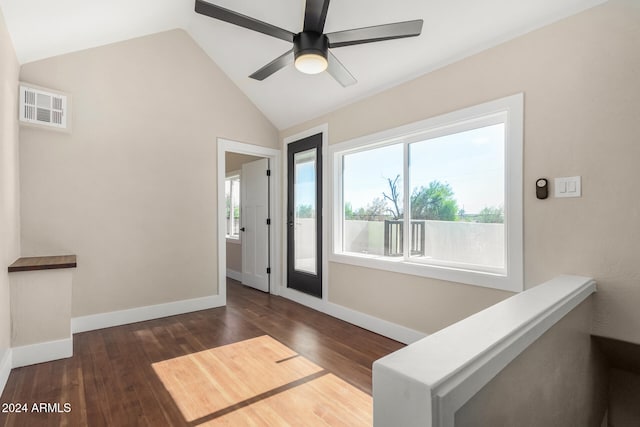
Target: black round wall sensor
542 188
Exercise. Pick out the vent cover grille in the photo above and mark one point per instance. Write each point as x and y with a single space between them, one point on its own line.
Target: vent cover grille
43 107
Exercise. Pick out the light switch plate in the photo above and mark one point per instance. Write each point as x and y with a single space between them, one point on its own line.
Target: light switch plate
569 186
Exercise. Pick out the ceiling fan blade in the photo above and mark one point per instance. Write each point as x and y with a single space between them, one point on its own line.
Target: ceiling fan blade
376 33
315 13
339 71
217 12
273 66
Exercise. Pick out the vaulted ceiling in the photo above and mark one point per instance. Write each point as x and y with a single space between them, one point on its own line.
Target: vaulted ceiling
453 29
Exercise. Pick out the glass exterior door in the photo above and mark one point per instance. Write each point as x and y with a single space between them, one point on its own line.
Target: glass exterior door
304 208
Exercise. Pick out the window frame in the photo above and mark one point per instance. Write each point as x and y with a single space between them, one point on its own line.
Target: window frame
510 109
228 176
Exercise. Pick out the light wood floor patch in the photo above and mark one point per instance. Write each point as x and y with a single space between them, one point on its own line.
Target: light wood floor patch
259 381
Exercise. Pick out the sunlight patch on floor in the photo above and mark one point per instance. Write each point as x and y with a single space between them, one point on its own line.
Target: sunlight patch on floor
260 382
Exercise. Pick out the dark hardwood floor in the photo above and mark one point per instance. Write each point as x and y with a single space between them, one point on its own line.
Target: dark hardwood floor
110 380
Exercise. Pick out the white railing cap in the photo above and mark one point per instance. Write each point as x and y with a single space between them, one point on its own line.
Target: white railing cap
455 362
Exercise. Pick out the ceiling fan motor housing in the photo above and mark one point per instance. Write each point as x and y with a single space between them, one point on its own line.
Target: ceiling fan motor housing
310 43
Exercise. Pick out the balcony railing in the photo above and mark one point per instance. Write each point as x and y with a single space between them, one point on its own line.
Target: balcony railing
394 238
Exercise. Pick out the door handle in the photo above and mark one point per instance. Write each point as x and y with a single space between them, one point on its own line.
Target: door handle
242 229
290 223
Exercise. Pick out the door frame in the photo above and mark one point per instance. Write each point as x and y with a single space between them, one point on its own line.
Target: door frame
292 294
275 212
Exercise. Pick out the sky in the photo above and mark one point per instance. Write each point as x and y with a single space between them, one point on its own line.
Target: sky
471 162
305 178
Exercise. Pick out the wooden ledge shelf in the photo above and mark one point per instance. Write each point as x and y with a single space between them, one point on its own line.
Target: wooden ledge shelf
43 263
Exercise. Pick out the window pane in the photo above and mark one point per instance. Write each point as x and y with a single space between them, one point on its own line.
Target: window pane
232 198
461 186
305 211
373 201
227 196
235 185
457 198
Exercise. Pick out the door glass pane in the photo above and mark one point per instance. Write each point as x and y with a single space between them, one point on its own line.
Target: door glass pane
305 211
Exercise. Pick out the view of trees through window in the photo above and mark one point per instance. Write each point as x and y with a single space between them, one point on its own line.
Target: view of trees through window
453 179
436 201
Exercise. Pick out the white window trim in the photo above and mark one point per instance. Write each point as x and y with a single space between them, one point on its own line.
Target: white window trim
510 107
235 240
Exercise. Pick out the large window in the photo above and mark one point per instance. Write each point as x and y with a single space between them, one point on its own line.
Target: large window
440 198
232 197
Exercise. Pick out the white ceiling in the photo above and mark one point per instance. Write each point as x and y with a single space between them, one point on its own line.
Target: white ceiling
452 30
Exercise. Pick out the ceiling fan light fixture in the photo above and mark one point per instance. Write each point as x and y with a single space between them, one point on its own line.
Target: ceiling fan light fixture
311 63
310 50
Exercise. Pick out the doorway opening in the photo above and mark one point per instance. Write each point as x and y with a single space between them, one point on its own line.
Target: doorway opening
248 209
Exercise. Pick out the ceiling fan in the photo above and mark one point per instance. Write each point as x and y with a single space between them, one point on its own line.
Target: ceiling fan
310 52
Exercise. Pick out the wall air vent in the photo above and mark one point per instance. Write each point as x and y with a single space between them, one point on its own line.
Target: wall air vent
43 107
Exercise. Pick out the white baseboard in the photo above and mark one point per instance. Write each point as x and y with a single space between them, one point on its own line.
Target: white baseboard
374 324
5 368
235 275
140 314
302 298
371 323
41 352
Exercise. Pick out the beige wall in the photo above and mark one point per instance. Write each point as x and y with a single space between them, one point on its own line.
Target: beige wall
40 306
132 191
9 183
234 256
582 103
234 161
560 380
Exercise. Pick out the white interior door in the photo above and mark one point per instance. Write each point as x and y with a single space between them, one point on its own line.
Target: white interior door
254 208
